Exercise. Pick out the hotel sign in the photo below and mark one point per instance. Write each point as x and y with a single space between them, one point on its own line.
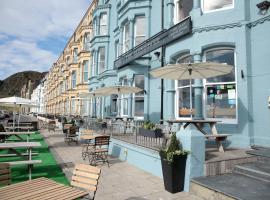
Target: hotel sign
160 39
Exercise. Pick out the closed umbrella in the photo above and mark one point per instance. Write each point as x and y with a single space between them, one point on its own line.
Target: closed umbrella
189 71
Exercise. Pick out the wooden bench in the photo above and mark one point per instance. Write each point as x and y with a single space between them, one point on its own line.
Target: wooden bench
218 138
13 154
5 174
30 164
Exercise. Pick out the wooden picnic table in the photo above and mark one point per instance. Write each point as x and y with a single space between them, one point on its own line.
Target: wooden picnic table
18 134
28 128
199 124
13 146
40 188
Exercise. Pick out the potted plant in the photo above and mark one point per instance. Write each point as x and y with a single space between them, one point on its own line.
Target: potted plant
173 162
149 129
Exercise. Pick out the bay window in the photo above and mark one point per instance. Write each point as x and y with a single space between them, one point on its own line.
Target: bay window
126 35
139 31
182 9
101 60
215 5
103 30
221 95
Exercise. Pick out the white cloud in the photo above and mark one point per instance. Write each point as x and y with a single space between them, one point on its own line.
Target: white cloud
20 56
38 19
24 23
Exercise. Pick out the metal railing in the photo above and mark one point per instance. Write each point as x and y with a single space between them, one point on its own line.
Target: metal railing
127 131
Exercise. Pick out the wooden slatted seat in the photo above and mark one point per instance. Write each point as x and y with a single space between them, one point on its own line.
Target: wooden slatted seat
5 174
86 177
219 137
24 162
99 151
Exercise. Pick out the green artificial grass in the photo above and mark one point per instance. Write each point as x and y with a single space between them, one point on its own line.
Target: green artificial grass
48 168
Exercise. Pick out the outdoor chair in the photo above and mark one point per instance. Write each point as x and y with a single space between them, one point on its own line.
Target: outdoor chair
86 177
99 150
51 126
86 143
5 174
71 135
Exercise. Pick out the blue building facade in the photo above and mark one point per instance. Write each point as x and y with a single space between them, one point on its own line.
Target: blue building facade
225 31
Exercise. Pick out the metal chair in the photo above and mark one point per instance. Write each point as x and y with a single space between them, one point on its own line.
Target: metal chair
99 151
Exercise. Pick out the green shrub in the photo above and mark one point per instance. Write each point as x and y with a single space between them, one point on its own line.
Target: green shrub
173 149
149 125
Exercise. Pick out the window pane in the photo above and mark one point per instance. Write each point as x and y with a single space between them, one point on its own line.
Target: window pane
184 102
126 38
75 55
87 41
85 71
221 101
101 57
103 24
216 4
139 106
222 56
185 59
139 30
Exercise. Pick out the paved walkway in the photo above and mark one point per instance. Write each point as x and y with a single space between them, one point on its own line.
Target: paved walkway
120 181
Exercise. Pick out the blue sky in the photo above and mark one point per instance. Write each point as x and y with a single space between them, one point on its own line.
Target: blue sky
33 33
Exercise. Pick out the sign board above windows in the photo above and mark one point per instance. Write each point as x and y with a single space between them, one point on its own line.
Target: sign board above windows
160 39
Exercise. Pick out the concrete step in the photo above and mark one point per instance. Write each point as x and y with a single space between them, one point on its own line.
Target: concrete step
258 170
230 186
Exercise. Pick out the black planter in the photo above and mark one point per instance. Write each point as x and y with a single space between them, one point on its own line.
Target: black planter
150 133
174 173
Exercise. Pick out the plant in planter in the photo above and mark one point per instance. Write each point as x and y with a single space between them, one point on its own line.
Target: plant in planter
173 161
149 129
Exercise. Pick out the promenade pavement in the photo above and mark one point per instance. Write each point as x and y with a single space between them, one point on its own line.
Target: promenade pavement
120 181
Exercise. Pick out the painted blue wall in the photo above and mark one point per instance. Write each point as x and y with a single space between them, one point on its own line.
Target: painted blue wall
243 28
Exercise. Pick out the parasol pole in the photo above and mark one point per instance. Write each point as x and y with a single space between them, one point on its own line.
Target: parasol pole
190 90
14 117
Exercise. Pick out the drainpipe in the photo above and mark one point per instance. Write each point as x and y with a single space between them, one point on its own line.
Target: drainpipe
162 64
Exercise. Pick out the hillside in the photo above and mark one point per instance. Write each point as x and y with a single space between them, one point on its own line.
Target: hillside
12 85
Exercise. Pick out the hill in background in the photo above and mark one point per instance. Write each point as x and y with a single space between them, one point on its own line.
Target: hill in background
12 85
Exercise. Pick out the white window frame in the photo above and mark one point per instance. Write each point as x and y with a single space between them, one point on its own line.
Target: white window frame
73 79
84 72
205 84
75 55
135 30
216 10
126 40
103 26
123 98
101 61
93 69
134 98
176 103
